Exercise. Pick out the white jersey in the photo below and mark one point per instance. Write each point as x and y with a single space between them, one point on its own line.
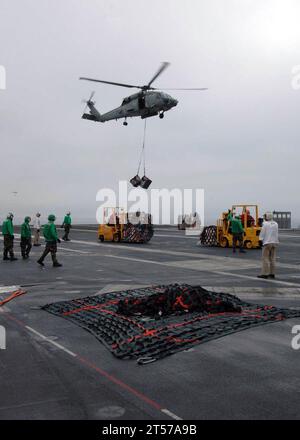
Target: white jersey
269 233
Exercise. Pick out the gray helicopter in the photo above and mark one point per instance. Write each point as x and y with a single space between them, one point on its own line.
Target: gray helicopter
150 101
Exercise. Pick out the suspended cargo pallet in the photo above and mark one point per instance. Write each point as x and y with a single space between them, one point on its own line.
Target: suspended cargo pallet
144 182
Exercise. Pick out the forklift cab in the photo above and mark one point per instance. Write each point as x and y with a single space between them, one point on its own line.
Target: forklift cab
113 223
120 226
248 215
251 225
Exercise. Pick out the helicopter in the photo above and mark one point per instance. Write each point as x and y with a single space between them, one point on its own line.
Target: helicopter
150 101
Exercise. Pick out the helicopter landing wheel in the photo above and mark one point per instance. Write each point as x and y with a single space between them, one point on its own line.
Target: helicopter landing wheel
161 115
125 123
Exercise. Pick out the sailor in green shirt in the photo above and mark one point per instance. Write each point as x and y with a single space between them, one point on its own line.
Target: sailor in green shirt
51 238
237 233
67 225
26 238
8 237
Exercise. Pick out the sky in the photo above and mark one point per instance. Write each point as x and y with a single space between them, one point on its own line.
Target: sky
239 140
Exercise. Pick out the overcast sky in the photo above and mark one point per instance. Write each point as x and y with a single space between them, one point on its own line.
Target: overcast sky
239 140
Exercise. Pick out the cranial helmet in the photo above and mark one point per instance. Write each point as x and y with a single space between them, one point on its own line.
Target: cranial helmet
10 215
51 218
27 219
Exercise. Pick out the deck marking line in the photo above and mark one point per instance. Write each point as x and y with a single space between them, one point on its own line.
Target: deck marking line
170 414
72 250
100 371
206 270
50 341
196 255
255 278
120 383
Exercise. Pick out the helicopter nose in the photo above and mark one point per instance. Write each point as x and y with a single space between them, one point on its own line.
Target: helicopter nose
171 102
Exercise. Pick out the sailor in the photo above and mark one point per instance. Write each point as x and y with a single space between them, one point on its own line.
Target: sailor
26 238
8 236
269 238
237 233
37 228
67 226
51 238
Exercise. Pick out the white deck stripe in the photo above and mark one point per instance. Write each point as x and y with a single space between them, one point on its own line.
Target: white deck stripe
164 410
195 237
199 255
170 414
231 274
139 260
51 342
255 278
72 250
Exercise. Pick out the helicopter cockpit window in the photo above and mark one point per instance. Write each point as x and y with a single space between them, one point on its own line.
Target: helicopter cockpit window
125 101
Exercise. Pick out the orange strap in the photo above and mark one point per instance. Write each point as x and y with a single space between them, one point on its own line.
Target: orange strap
14 294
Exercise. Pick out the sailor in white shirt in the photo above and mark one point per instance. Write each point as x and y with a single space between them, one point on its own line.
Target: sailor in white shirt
37 228
269 237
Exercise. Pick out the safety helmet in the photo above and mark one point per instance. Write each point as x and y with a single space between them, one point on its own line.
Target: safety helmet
10 215
68 213
27 219
38 214
51 218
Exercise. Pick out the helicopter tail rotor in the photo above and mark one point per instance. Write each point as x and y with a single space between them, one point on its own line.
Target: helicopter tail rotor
93 114
88 101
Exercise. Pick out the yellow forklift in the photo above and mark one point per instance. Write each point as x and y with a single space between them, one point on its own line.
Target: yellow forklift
220 234
120 226
251 224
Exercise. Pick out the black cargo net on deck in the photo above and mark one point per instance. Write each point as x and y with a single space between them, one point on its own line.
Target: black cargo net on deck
151 323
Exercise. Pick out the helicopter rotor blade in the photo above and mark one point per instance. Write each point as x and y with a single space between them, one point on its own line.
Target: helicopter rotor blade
159 72
112 83
85 106
188 88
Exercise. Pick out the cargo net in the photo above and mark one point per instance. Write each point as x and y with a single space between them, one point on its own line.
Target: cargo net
141 233
150 323
208 236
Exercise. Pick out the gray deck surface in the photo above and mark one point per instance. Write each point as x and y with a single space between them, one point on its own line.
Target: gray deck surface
53 369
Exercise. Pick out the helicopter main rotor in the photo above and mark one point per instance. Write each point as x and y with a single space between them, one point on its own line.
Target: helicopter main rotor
146 87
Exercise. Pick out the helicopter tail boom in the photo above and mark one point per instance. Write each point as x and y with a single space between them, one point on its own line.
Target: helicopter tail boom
94 115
